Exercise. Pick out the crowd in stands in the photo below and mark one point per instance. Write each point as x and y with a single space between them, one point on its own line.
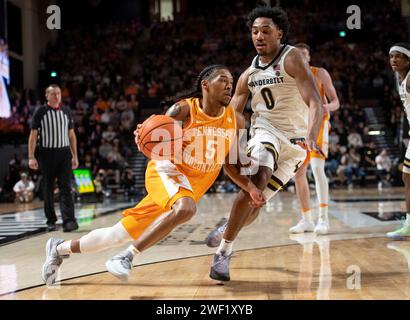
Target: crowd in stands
105 106
107 91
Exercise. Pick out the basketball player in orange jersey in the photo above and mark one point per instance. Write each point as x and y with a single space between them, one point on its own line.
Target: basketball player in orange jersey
287 112
317 159
173 188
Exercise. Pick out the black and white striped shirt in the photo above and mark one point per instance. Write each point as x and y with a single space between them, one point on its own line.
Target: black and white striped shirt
52 125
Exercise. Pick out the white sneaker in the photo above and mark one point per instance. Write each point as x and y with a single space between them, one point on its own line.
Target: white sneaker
53 261
302 226
120 265
322 227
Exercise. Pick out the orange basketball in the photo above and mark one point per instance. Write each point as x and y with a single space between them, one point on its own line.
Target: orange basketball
160 137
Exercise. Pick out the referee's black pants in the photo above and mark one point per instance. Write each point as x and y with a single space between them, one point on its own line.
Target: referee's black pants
56 163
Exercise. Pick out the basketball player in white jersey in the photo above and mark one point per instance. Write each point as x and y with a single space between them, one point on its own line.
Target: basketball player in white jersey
400 63
287 113
317 160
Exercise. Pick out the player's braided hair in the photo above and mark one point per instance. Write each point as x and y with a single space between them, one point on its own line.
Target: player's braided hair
196 92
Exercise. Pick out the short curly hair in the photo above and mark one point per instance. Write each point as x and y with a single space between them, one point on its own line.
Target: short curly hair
277 14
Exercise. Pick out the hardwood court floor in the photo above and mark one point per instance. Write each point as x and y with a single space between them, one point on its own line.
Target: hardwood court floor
17 207
355 261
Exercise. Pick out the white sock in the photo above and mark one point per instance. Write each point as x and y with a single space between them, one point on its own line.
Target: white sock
407 220
225 246
323 212
321 182
134 251
105 238
307 216
64 248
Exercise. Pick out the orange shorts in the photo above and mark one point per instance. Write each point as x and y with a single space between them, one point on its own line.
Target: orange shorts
164 188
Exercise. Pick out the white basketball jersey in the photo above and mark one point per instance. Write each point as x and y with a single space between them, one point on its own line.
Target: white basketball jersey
276 101
405 96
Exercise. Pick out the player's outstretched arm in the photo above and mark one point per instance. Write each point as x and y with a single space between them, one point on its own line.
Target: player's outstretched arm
241 94
330 90
298 68
234 171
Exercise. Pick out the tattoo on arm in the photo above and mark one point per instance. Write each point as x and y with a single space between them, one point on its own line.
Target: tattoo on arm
174 111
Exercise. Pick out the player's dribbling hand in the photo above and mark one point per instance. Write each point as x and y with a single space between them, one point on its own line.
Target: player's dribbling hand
136 139
258 198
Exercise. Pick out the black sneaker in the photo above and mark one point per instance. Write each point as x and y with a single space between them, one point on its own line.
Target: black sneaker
51 227
70 226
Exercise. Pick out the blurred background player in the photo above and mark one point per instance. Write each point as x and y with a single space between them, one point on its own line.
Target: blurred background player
400 63
173 188
24 189
317 159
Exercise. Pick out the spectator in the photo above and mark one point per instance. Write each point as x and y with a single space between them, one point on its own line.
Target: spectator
100 184
366 138
121 104
109 134
384 168
354 139
127 181
24 189
132 89
111 168
116 156
127 119
351 161
333 137
332 161
397 123
368 156
104 149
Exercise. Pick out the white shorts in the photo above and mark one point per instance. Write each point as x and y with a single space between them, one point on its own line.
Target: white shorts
406 162
278 153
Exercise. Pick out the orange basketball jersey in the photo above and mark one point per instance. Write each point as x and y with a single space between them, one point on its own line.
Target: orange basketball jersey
207 141
323 137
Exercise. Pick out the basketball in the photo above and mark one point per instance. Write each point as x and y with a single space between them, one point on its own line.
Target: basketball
160 137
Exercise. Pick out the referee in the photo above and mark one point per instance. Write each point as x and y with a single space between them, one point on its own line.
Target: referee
52 146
